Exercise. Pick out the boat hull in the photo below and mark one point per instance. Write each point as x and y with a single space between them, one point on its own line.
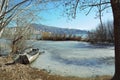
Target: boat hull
27 58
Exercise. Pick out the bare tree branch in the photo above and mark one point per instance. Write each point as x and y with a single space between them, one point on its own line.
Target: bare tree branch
89 10
75 9
17 5
98 4
13 8
3 3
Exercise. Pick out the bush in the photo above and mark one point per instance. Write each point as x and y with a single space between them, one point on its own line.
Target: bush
59 37
103 33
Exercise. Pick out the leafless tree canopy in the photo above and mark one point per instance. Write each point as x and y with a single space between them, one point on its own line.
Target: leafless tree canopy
75 6
10 9
20 13
103 33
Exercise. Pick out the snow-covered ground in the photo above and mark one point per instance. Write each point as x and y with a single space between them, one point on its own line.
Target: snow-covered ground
71 58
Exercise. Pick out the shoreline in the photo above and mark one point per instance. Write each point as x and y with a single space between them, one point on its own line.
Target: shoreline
25 72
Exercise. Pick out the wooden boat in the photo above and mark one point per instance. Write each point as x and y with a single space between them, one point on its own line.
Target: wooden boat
28 56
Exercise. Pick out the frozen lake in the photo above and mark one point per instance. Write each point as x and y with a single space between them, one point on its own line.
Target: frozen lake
71 58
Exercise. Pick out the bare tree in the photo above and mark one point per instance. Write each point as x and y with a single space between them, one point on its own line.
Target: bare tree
73 5
110 30
10 9
102 33
21 32
116 10
15 12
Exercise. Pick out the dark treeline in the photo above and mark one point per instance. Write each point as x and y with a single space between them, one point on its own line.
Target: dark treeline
102 33
59 37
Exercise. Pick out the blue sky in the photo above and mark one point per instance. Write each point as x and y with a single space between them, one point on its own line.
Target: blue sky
55 17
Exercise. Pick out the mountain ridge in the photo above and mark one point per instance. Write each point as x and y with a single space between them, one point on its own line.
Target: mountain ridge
57 30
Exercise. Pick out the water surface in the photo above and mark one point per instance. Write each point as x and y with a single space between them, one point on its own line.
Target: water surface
71 58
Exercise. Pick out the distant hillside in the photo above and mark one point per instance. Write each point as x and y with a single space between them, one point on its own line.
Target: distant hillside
57 30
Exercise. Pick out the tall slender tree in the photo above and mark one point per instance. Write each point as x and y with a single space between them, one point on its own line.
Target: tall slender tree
115 4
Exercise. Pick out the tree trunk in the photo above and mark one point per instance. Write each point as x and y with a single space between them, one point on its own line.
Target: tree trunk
116 15
14 46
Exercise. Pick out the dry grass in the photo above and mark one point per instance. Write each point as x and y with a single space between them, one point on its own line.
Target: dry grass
54 77
25 72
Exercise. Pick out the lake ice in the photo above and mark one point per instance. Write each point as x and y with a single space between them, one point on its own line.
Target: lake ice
72 58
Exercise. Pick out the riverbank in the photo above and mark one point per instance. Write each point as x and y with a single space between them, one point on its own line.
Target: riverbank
25 72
